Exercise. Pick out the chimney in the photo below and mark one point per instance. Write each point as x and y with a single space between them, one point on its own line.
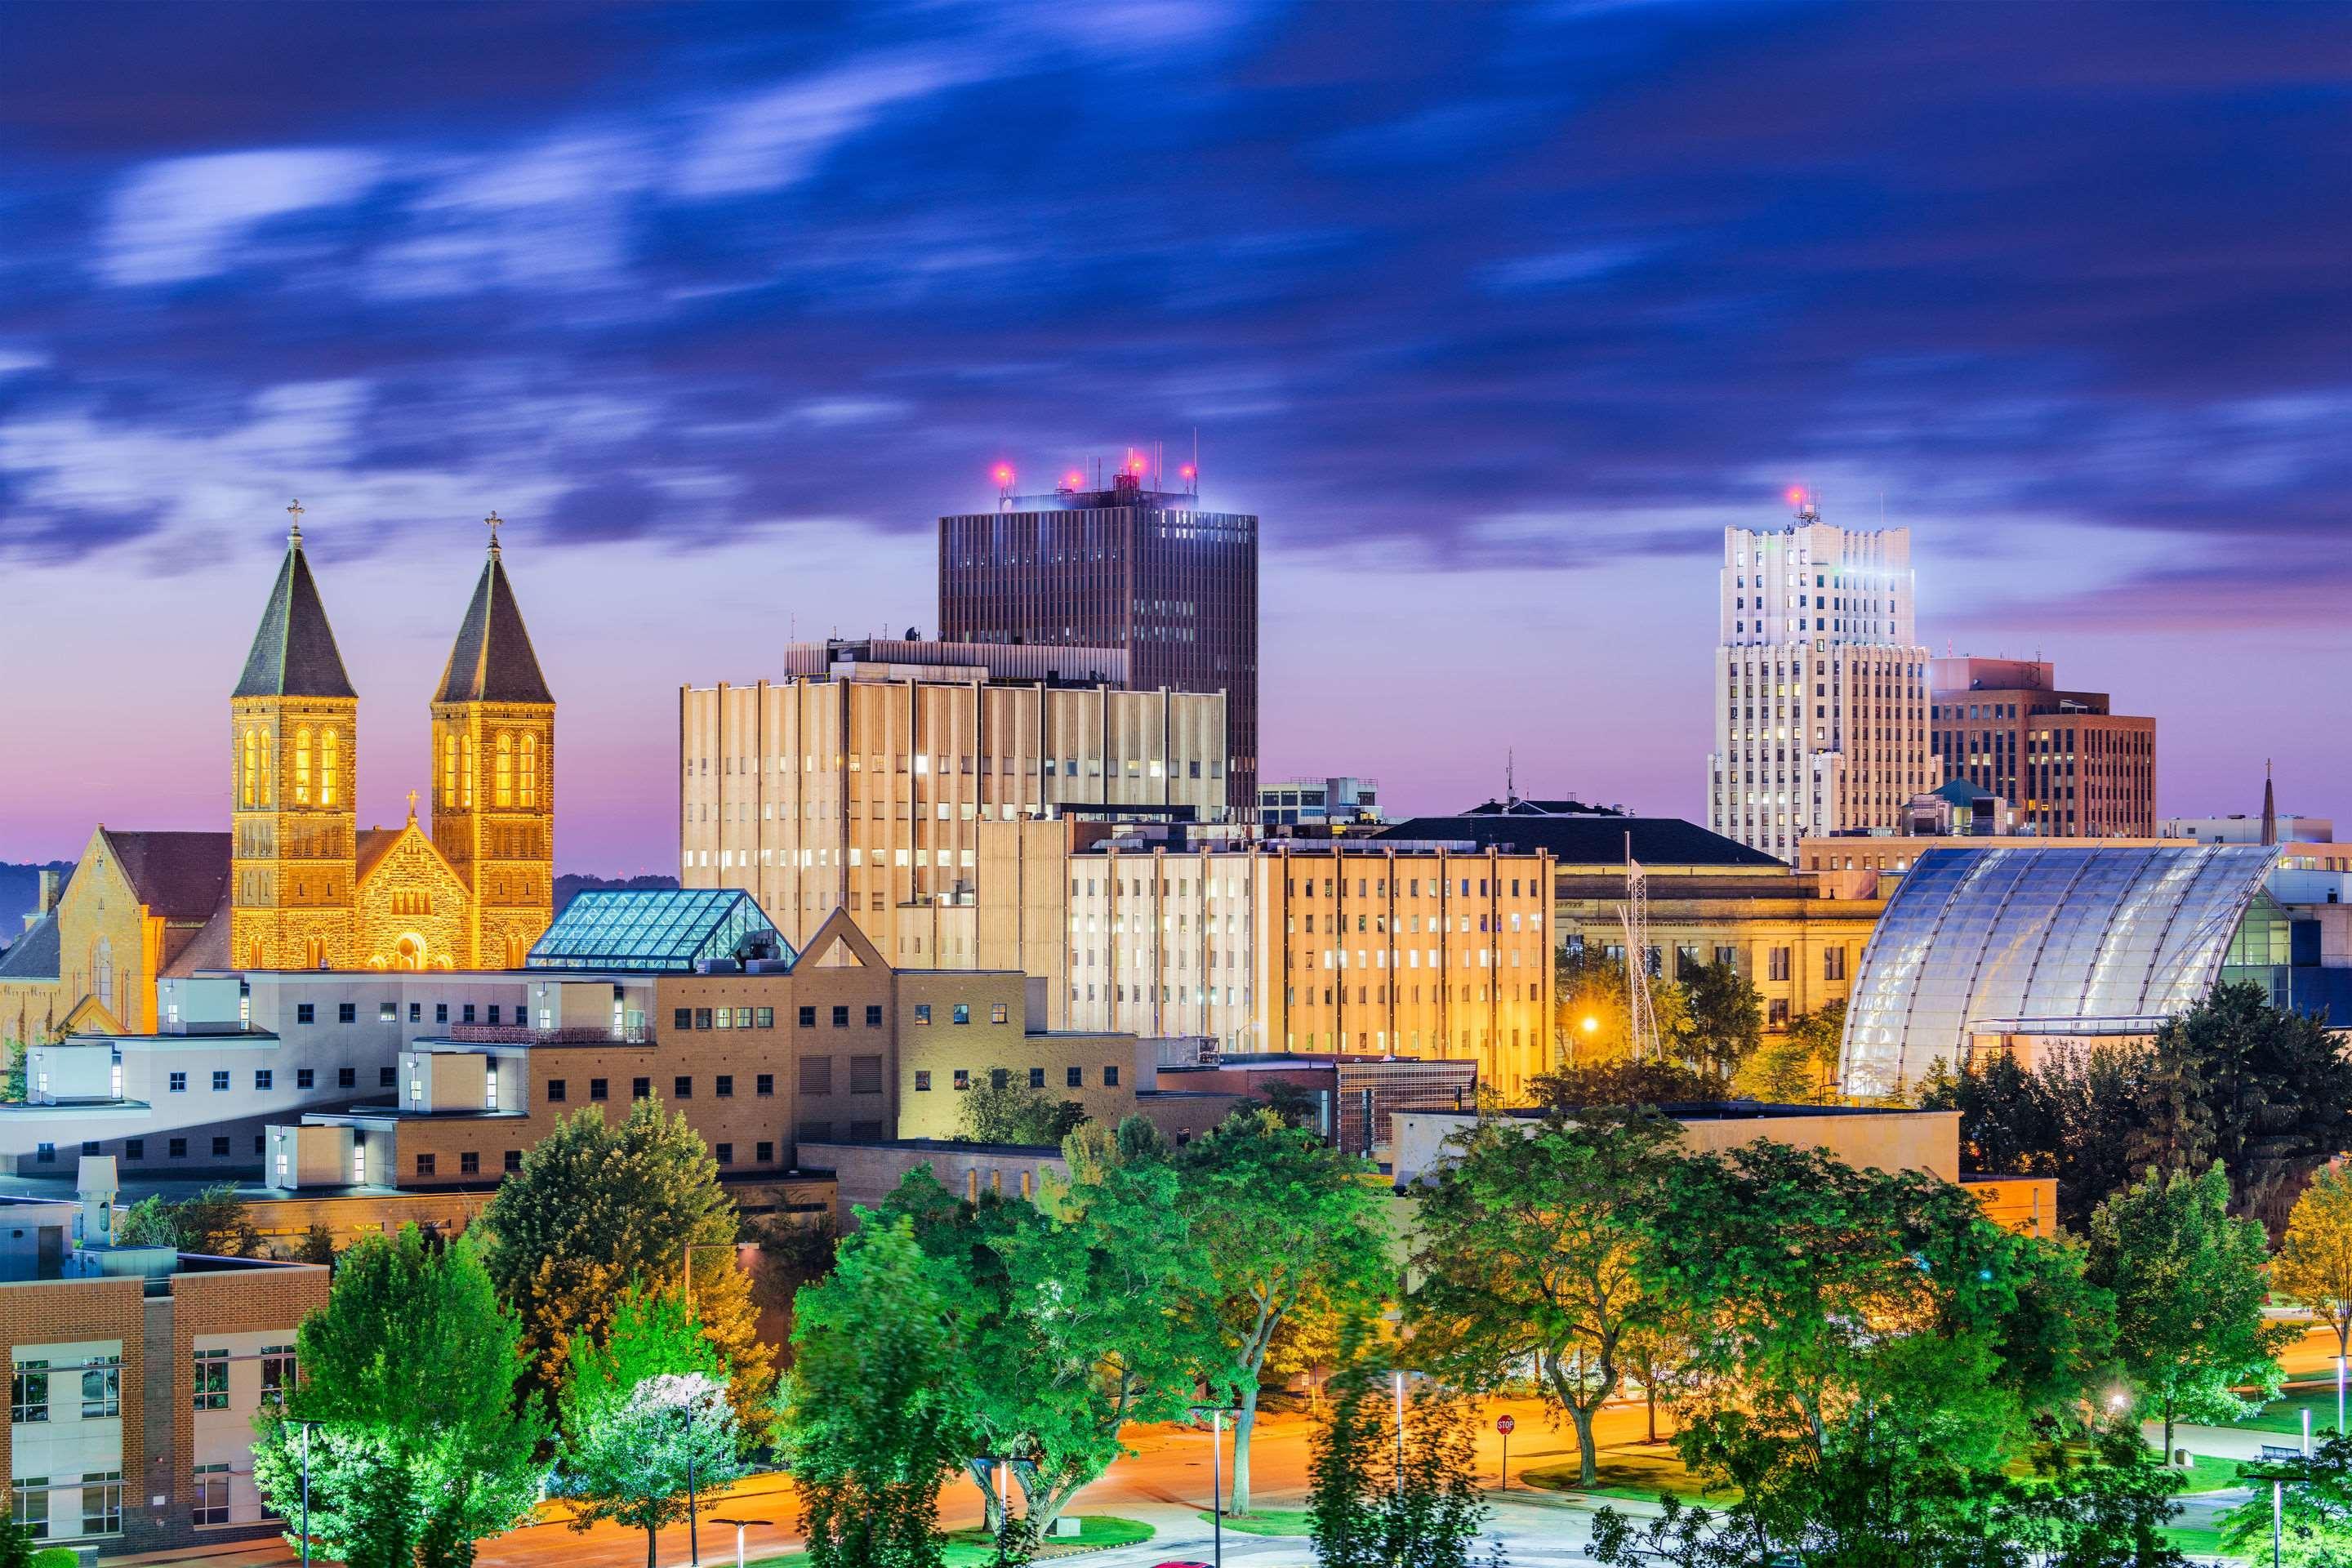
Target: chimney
48 899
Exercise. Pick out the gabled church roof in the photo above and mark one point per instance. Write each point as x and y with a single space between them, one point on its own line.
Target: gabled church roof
294 652
178 876
492 660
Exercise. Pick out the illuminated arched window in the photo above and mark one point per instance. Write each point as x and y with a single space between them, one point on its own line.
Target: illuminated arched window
249 790
448 767
318 953
302 765
503 792
330 756
253 953
465 771
529 780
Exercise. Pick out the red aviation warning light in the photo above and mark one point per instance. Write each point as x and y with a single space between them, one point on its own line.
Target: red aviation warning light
1188 472
1074 481
1004 475
1796 495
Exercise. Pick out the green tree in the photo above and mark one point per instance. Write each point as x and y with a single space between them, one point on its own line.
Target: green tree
2009 1123
317 1246
1726 1020
878 1403
1591 1022
1007 1112
11 1079
2100 1504
2189 1286
365 1510
1798 1066
410 1371
1286 1224
1529 1243
2314 1512
648 1425
1567 1090
212 1222
1861 1346
1365 1510
1073 1314
2314 1265
2260 1090
598 1206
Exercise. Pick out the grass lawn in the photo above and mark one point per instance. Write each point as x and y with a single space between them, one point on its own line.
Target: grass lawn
2197 1541
2285 1414
1637 1476
2207 1474
1265 1522
977 1549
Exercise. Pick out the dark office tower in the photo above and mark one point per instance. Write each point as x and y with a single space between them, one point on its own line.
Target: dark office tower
1142 570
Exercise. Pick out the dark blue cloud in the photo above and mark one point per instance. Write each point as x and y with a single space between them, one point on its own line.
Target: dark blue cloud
1416 273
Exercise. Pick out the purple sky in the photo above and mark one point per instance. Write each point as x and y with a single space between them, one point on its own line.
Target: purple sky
1496 314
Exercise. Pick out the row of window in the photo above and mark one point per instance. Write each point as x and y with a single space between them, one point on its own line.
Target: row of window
101 1503
686 1018
136 1148
31 1383
469 1162
266 1079
389 1012
1072 1077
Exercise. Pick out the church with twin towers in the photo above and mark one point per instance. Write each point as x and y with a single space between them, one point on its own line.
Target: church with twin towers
307 887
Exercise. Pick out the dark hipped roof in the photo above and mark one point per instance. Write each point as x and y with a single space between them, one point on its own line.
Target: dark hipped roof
179 876
1518 806
34 956
1590 840
492 660
294 652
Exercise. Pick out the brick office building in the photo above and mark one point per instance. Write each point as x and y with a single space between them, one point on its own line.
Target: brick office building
2068 766
134 1376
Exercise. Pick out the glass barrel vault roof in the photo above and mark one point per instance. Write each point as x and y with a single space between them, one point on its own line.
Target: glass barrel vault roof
664 929
2058 933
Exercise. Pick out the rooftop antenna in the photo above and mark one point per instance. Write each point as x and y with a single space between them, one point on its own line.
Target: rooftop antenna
1510 784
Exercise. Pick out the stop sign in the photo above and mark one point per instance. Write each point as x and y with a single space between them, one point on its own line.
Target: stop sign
1505 1425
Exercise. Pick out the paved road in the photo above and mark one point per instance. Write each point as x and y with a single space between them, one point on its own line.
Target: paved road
1166 1483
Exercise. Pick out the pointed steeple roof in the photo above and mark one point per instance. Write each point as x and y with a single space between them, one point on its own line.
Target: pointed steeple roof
492 661
293 652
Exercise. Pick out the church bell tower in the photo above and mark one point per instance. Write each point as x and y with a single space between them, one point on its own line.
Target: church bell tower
494 772
293 750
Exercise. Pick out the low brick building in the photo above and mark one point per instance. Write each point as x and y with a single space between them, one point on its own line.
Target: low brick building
135 1374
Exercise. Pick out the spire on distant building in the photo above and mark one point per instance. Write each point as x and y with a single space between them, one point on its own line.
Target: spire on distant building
492 661
293 652
2270 807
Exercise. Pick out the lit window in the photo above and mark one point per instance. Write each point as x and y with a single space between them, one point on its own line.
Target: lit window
330 757
302 765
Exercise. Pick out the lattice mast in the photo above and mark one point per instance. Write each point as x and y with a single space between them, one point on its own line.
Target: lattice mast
1634 914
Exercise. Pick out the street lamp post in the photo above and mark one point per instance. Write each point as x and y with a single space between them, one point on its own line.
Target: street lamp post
693 1541
1399 1378
1216 1480
306 1426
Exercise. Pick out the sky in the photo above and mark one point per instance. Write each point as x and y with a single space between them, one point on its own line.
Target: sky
1496 315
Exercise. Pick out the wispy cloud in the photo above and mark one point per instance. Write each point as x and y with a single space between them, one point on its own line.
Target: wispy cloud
182 219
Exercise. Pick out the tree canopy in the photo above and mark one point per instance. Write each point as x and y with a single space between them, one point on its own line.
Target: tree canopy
2314 1265
1530 1241
1285 1226
2189 1286
410 1370
600 1206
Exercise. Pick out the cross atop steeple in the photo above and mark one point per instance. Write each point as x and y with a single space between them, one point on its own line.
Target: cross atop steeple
294 534
494 520
412 808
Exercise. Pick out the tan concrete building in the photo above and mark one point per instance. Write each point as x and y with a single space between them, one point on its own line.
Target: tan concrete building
860 784
1359 944
759 1047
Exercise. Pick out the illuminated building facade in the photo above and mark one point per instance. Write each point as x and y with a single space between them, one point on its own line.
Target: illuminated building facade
861 781
1357 946
1144 570
1821 688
